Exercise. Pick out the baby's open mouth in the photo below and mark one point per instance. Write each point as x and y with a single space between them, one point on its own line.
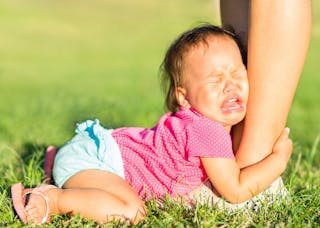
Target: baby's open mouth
232 104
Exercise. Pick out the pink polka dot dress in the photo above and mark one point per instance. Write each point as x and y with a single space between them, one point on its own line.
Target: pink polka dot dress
166 158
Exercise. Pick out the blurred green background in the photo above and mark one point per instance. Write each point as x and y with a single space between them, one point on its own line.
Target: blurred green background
62 62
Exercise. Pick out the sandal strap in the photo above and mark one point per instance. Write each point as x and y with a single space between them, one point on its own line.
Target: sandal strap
41 191
46 199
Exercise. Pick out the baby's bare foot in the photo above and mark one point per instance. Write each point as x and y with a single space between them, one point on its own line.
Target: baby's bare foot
41 205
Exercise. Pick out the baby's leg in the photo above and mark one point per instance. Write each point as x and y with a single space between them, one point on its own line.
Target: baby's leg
95 194
101 196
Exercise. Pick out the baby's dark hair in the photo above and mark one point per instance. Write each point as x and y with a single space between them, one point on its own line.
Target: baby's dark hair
171 67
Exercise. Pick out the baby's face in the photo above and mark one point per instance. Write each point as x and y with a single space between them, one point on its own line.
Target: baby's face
215 81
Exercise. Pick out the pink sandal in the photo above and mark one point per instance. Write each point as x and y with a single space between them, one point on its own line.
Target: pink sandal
48 164
19 200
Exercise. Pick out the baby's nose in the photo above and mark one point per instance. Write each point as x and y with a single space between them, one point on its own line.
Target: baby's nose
229 86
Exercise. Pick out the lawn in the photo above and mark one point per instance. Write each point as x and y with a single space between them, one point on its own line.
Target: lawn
62 62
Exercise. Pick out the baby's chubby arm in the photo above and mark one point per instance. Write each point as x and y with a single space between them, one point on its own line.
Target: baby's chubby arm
237 185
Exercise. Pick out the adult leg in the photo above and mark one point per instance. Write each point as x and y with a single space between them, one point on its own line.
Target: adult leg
234 14
279 34
95 194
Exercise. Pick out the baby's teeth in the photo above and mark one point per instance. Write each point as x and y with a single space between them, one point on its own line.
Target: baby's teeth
232 100
234 107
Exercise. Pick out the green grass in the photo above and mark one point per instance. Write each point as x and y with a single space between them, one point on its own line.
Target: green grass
62 62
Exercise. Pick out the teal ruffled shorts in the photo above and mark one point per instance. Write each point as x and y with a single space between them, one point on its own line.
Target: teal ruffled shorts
93 147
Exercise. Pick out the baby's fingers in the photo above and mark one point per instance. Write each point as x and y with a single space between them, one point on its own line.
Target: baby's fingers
284 134
283 145
284 137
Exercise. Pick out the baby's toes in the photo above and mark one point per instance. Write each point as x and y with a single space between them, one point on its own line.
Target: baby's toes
30 208
33 215
31 211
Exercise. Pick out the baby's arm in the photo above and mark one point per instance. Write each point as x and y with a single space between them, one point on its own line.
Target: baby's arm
237 185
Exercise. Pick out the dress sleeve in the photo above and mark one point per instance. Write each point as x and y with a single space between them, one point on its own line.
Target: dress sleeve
206 138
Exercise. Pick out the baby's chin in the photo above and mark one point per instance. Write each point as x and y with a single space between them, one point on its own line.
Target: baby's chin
231 120
226 119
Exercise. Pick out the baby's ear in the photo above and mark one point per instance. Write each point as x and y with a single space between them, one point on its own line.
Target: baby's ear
181 96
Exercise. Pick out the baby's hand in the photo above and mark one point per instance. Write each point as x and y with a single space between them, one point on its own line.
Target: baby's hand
283 146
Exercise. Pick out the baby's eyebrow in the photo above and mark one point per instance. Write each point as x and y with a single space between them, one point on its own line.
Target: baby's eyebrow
214 73
238 69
